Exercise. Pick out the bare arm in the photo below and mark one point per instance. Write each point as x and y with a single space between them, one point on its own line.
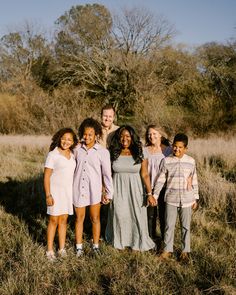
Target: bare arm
46 182
146 180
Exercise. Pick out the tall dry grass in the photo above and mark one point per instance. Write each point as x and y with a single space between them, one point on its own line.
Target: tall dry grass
25 270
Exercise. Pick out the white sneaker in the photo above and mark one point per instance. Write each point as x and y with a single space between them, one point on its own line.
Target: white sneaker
50 255
79 252
62 253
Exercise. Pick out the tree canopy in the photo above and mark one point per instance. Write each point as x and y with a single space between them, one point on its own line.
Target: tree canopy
127 59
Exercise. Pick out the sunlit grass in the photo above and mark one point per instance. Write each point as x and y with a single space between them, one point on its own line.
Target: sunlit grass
25 270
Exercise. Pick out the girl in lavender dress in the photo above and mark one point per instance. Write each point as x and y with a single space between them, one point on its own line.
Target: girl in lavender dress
92 181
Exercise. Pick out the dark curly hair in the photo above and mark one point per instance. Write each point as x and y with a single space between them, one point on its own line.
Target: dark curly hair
56 139
135 146
90 123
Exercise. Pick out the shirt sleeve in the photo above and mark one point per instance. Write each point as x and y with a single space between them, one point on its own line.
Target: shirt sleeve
76 150
195 183
106 172
160 179
49 163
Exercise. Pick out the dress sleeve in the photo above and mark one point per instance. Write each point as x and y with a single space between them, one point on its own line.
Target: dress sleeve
106 172
49 163
145 153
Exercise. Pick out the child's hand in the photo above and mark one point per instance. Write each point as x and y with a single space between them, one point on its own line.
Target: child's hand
195 206
49 200
151 201
105 199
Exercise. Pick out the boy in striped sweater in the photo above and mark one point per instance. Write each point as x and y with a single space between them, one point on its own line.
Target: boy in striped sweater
178 171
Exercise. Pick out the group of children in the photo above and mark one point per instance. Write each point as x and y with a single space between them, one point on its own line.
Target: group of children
78 174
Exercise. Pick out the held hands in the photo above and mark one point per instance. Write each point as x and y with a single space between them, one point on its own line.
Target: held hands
49 200
105 199
151 201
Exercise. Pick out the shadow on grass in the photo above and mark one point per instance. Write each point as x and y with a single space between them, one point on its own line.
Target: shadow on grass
26 200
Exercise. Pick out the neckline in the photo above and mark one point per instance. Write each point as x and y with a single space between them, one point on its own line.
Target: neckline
64 155
157 152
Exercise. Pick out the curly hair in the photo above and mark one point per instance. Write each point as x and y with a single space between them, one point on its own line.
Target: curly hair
56 139
90 123
164 139
135 146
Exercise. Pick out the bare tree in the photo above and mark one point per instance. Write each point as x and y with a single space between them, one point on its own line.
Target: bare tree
139 31
19 51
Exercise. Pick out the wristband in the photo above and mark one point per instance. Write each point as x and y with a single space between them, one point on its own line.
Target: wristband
149 194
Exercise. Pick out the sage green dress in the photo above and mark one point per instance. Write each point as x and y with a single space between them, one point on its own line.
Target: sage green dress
127 217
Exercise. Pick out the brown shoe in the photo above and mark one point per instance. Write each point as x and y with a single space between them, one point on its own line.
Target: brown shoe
165 255
184 257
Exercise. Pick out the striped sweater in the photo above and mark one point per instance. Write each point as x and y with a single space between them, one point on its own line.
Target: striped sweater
175 172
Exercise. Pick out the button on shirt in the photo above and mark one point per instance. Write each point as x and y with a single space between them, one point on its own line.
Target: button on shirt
93 168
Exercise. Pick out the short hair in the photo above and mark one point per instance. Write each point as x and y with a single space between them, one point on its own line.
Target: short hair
56 139
108 107
181 137
90 123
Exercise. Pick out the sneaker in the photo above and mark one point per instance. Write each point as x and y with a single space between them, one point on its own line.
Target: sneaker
184 257
165 255
79 252
62 253
50 256
96 252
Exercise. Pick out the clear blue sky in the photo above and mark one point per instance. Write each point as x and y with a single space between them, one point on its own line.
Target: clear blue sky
197 21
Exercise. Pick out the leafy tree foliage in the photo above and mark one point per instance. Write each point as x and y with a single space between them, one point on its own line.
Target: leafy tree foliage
218 65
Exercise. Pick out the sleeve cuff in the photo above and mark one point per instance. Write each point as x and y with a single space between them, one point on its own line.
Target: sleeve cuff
155 197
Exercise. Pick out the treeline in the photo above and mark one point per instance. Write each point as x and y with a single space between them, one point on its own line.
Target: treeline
128 60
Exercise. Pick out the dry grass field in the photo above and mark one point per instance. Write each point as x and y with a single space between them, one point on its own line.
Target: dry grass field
25 270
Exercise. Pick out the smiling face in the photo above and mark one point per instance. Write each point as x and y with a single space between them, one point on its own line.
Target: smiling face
154 136
179 149
89 137
66 141
108 117
125 139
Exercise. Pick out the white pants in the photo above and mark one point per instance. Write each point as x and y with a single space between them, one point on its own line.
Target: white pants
185 220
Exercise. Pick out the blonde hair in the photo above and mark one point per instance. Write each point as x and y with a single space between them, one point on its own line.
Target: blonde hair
164 137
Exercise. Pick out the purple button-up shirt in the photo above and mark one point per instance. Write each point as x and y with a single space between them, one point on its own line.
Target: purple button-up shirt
93 169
